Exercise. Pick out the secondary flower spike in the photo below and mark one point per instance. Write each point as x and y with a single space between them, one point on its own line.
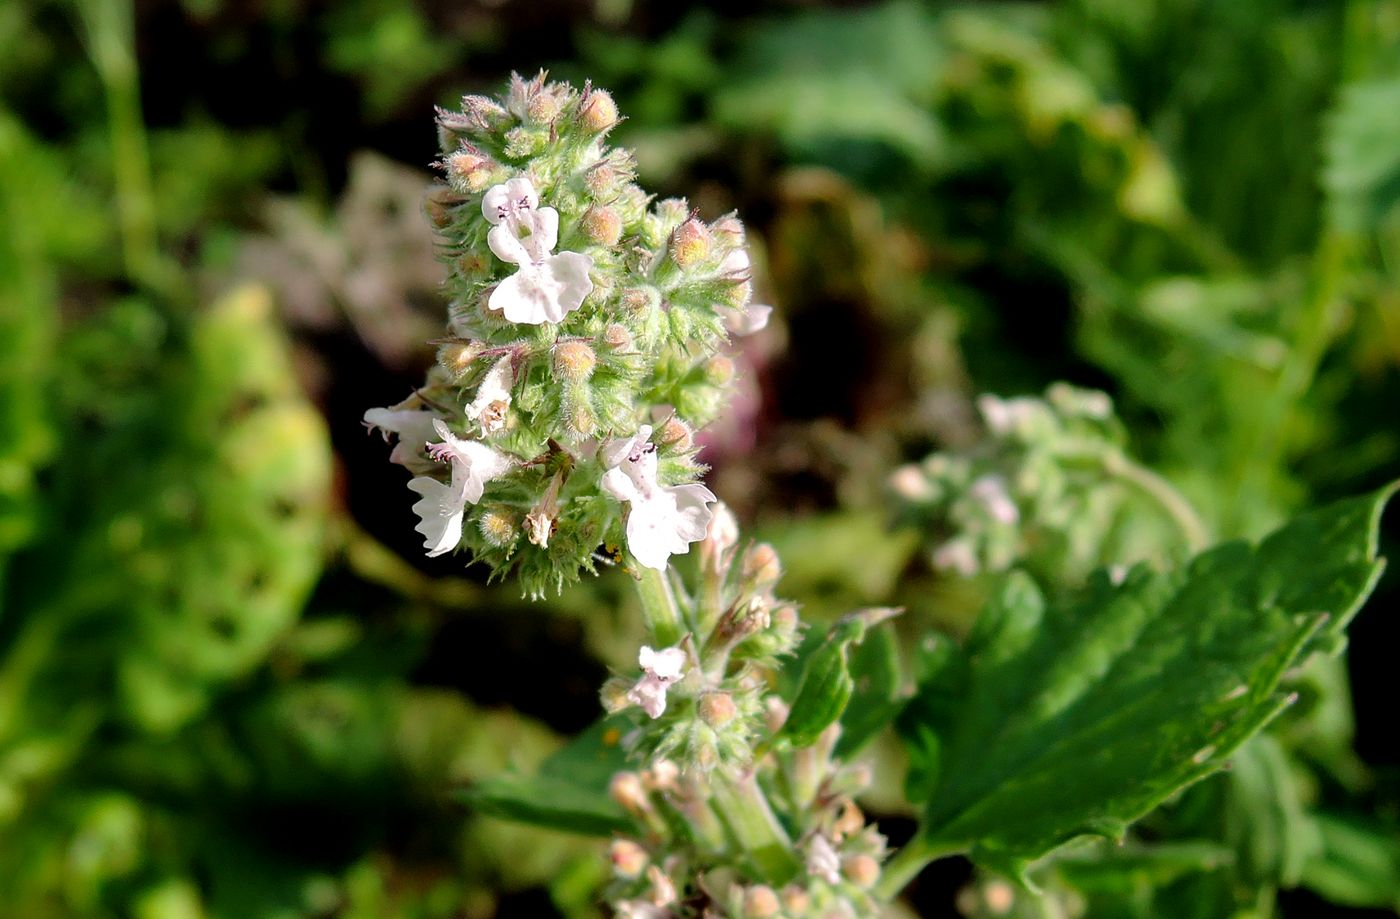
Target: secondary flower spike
546 287
442 505
663 520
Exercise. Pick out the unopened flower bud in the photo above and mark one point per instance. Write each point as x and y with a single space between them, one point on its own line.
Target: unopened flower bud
640 300
582 422
662 775
761 902
629 859
438 205
542 108
795 900
498 527
775 713
717 709
861 870
663 889
761 565
719 370
600 180
598 111
738 293
675 434
484 112
602 225
522 142
457 356
690 243
722 533
627 790
785 619
729 230
849 820
468 170
574 361
617 337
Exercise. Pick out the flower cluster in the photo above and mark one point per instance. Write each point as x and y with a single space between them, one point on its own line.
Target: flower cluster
582 348
715 763
1049 486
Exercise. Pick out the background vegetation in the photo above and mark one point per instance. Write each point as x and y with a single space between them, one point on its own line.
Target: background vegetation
230 684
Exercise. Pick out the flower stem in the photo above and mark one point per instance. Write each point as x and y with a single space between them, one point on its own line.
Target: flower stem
1115 463
1193 531
659 608
744 809
906 865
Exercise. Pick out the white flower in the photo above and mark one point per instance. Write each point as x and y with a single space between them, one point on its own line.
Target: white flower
546 287
664 520
492 400
822 861
413 426
659 670
639 909
441 508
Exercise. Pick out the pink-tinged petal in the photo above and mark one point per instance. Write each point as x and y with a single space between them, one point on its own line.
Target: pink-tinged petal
544 231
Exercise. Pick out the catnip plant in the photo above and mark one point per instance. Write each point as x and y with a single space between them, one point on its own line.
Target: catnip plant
557 433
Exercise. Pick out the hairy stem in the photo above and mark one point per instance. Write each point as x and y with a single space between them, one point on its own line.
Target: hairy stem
659 608
744 809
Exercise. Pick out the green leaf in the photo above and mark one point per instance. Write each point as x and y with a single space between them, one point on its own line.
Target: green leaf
1358 863
1078 720
1362 175
827 686
875 701
570 790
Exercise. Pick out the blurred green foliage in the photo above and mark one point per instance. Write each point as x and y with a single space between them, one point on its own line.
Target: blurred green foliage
220 697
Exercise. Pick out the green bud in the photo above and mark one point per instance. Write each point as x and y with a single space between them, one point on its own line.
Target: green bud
522 142
439 203
601 180
641 300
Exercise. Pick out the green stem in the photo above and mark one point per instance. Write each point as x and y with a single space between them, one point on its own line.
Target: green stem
108 30
1116 464
1193 531
906 865
659 608
744 809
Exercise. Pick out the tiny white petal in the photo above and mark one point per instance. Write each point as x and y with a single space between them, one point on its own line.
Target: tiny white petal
440 513
493 397
822 860
667 664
